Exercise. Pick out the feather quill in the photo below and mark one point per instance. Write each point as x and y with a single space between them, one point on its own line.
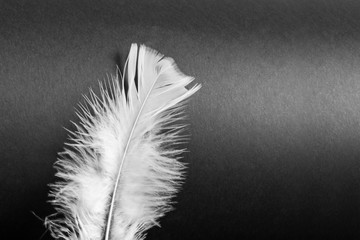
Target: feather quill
120 170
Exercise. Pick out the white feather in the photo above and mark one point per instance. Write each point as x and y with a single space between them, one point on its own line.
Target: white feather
121 170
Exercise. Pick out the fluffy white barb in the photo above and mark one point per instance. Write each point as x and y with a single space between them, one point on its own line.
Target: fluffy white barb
121 170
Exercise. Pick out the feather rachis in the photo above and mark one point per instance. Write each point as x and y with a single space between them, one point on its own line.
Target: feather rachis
121 169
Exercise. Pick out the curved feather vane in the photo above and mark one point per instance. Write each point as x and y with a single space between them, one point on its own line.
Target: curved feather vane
121 169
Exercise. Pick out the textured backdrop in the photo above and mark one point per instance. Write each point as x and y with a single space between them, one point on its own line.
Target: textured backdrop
275 130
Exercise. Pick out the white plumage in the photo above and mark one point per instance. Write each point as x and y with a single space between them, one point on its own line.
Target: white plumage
120 171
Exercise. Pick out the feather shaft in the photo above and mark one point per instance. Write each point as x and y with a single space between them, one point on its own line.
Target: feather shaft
122 163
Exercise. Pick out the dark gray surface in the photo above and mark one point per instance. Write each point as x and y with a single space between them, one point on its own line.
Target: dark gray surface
274 152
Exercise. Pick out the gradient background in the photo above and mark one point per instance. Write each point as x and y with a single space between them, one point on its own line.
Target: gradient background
275 147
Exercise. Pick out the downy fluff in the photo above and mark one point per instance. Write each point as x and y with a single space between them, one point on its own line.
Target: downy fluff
121 169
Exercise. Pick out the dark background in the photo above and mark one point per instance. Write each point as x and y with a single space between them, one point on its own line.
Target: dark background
275 146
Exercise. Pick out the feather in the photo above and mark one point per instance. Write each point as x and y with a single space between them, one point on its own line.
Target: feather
121 169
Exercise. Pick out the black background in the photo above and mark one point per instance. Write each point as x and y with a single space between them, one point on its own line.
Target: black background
275 146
